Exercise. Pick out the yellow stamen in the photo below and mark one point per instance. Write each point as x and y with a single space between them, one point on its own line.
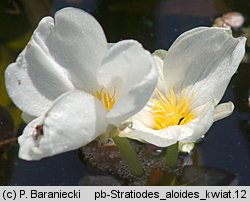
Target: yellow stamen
171 110
106 98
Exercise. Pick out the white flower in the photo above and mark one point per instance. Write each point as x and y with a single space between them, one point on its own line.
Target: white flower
76 84
193 77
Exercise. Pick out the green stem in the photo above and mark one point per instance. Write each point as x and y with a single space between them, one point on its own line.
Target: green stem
129 155
172 156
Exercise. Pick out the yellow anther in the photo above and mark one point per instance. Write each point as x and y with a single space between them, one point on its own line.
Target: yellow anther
171 110
106 98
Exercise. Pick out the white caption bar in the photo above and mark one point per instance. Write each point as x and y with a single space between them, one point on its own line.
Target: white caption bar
118 193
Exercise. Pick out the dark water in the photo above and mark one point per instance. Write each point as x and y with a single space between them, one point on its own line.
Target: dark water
156 24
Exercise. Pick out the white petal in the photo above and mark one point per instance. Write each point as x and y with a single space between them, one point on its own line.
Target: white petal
161 85
196 30
35 80
162 138
75 119
203 60
131 134
110 45
202 122
143 119
122 63
129 70
77 42
223 110
157 138
27 140
189 132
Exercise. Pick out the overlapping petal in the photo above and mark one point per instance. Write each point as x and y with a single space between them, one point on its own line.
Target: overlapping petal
35 80
57 76
129 71
77 42
203 61
202 122
52 63
75 119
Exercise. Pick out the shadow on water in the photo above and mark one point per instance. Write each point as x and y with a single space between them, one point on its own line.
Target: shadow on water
155 24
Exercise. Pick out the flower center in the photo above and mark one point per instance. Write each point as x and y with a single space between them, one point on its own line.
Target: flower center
108 100
171 110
